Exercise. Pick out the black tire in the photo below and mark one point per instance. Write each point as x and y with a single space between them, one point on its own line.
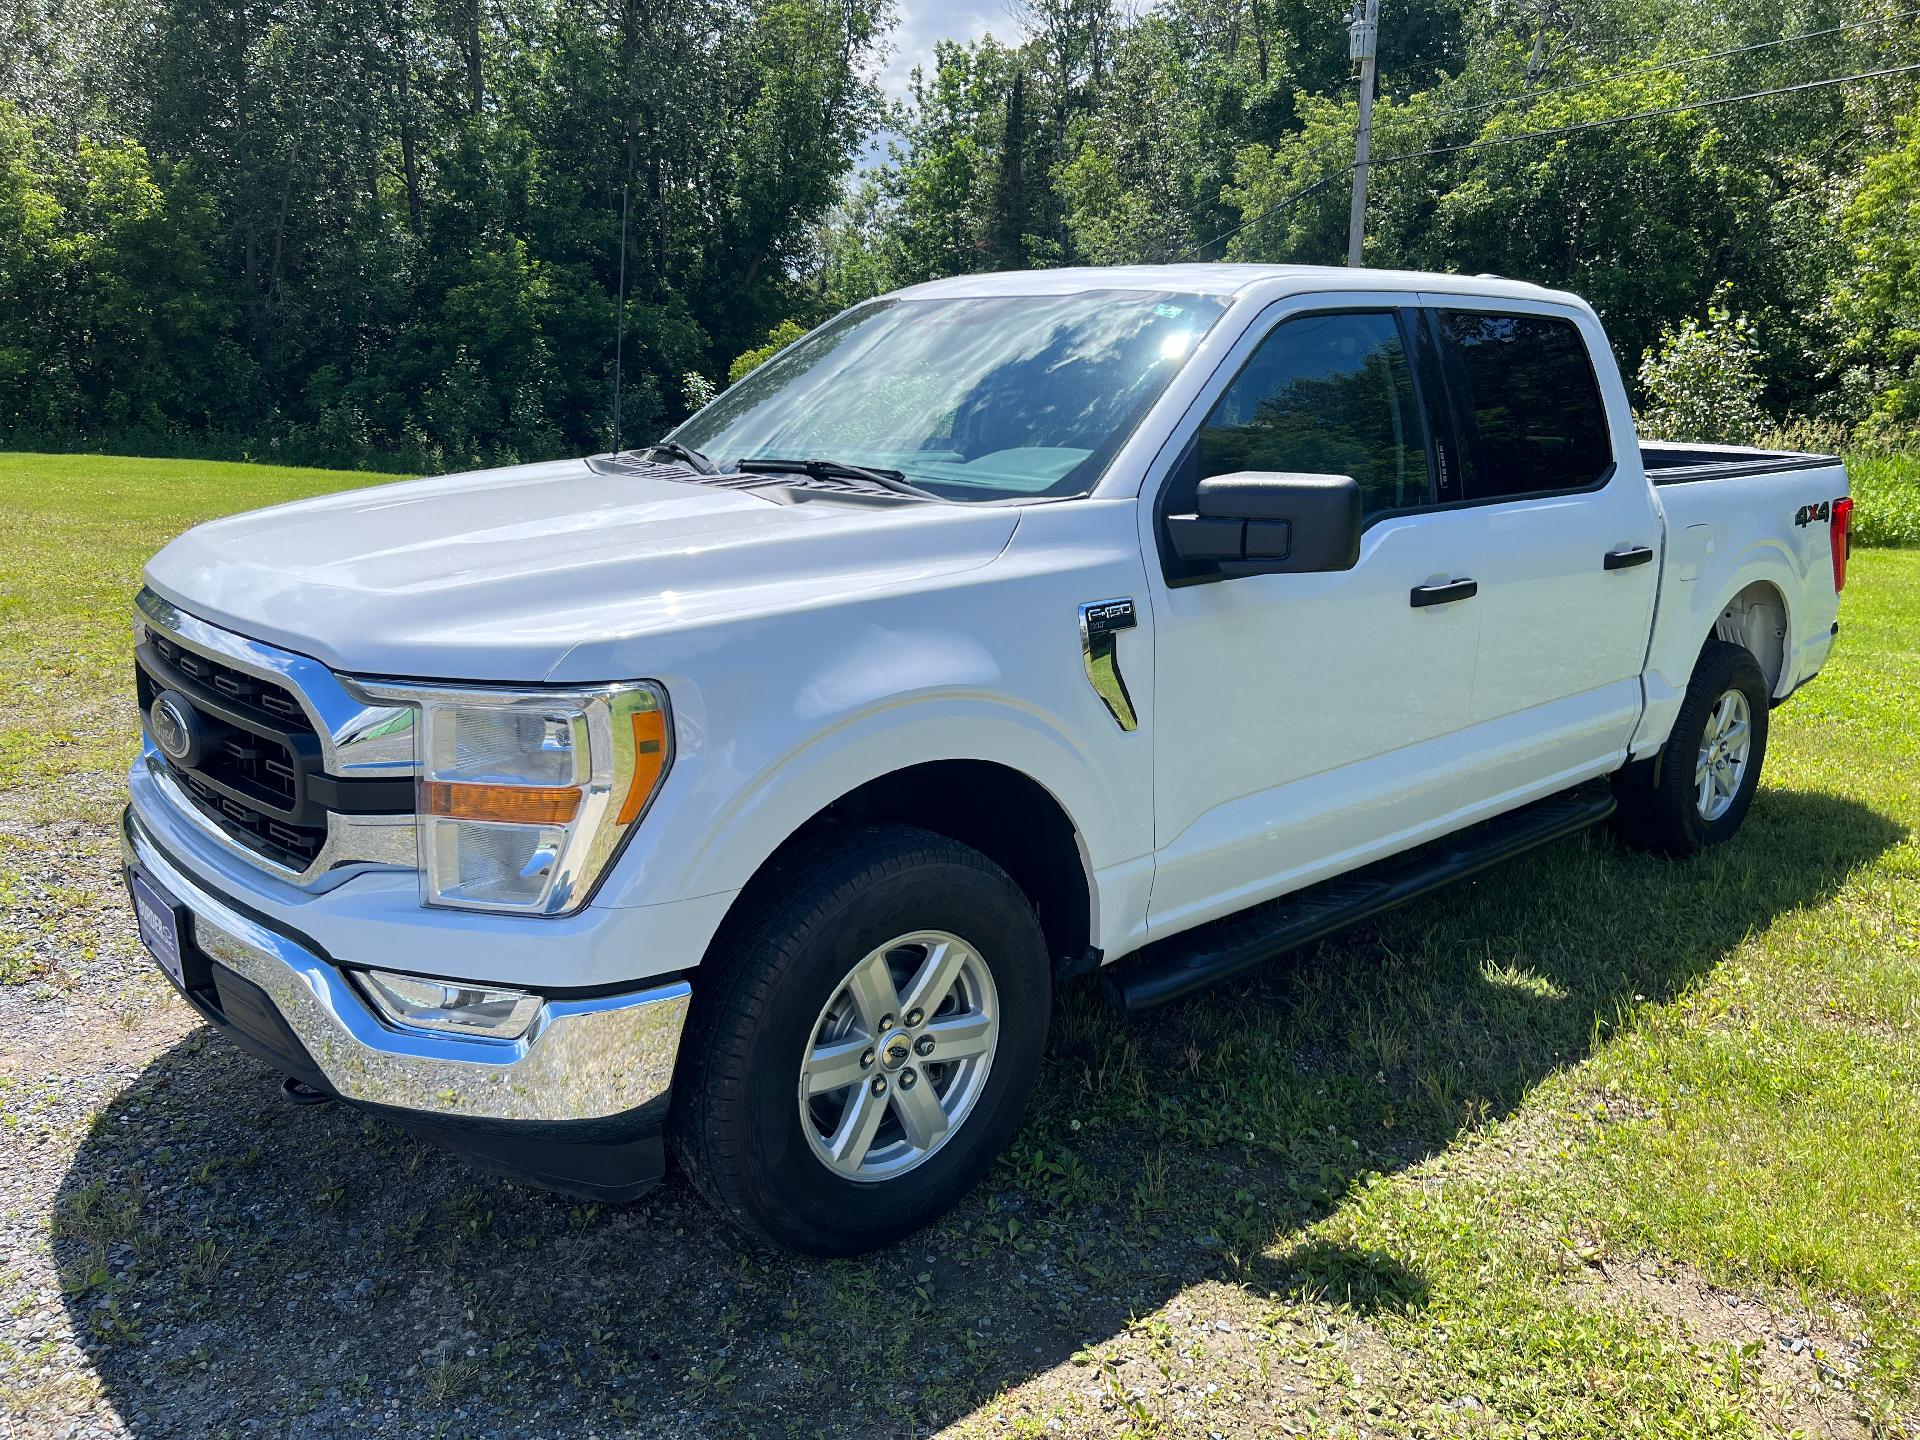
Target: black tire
1659 805
736 1129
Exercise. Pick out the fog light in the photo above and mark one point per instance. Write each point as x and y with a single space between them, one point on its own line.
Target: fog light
449 1005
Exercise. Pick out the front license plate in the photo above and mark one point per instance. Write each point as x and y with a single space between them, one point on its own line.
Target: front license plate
159 920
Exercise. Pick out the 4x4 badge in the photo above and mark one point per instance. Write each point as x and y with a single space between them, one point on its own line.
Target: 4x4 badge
1101 622
1807 514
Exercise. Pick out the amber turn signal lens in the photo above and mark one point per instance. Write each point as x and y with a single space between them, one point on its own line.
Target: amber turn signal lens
509 804
649 759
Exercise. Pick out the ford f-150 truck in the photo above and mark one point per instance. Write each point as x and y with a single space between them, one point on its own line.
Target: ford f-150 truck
744 797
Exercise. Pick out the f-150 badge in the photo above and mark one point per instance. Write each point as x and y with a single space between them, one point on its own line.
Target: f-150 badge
1101 622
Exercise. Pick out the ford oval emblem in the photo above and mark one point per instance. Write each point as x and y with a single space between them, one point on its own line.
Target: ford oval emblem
175 728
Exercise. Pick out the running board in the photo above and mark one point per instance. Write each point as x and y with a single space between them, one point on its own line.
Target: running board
1192 960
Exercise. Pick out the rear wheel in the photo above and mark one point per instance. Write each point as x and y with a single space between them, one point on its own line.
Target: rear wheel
867 1043
1697 790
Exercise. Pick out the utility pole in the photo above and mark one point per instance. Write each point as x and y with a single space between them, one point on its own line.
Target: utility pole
1363 37
620 320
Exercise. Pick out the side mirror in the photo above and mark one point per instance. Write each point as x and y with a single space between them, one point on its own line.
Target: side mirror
1260 523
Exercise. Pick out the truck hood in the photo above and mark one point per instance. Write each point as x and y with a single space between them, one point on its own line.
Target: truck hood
546 572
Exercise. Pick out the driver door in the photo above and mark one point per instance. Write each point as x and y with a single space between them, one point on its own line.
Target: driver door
1308 723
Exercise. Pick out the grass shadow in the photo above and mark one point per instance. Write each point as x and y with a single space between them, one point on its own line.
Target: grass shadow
236 1263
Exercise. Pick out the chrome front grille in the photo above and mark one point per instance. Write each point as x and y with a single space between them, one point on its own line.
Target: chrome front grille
269 701
261 740
286 765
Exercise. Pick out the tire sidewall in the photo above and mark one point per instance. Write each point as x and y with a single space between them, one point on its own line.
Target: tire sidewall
788 1187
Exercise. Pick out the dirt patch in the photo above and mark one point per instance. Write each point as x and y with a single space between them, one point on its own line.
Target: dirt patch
1217 1362
1801 1364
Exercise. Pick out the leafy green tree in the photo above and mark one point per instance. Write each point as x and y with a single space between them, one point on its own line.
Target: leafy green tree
37 385
857 248
390 231
1700 382
781 336
1877 301
154 350
942 186
1147 171
112 317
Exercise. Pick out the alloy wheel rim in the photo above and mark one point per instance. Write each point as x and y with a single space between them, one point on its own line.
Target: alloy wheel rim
898 1056
1725 747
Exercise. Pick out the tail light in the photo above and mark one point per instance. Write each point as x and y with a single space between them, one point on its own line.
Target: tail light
1840 531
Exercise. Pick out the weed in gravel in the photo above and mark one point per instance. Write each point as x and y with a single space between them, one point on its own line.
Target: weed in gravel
101 1213
448 1382
201 1267
1058 1176
332 1191
81 1273
1150 1189
111 1324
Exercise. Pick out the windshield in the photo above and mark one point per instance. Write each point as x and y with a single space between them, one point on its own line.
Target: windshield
988 398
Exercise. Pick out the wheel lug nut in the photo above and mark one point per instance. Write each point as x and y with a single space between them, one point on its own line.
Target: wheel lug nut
914 1017
866 1058
907 1079
879 1084
886 1022
924 1045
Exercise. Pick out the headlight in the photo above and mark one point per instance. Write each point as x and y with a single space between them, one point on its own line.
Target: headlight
524 797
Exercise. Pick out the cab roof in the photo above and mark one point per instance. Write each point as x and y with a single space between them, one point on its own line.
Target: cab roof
1226 280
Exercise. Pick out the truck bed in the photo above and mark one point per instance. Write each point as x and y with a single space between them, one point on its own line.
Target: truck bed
1749 559
1673 463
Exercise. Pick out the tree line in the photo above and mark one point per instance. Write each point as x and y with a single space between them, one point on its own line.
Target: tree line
389 232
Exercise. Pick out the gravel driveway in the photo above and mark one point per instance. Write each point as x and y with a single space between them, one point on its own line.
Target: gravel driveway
192 1254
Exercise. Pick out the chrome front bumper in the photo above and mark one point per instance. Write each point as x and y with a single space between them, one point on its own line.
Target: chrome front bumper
578 1060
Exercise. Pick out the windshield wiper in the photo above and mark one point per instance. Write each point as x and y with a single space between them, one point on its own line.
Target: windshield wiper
684 453
892 480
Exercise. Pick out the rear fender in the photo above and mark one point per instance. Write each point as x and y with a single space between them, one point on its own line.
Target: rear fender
1691 613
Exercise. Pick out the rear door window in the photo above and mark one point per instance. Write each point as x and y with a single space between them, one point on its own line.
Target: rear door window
1525 388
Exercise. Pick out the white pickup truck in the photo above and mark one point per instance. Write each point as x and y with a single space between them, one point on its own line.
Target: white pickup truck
744 797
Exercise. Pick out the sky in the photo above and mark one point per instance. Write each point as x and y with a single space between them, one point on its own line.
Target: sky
922 22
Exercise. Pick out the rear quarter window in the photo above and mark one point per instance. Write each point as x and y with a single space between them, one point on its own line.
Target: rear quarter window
1525 386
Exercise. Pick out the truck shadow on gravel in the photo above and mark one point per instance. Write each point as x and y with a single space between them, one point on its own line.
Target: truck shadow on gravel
239 1265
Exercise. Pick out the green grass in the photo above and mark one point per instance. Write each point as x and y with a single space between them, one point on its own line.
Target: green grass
1416 1172
1596 1055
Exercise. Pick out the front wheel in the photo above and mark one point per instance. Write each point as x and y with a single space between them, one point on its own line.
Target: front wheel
1697 790
867 1042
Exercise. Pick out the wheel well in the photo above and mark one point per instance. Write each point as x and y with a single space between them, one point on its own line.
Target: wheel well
1756 618
1011 819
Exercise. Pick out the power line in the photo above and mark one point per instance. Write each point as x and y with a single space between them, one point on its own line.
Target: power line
1595 82
1653 114
1466 147
1680 62
1278 205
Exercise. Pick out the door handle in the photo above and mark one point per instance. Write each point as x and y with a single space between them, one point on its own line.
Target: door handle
1627 557
1443 594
